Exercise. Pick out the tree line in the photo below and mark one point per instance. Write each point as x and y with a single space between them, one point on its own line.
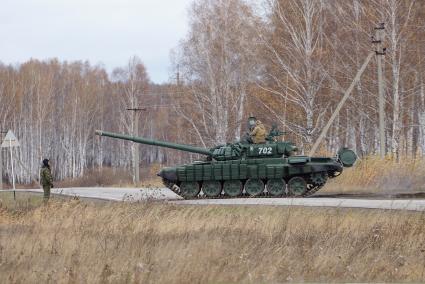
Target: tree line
285 61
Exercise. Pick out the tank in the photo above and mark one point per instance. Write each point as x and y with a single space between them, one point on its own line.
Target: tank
244 169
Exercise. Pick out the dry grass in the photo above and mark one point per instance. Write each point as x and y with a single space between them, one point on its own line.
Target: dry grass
80 242
23 201
115 177
371 174
99 177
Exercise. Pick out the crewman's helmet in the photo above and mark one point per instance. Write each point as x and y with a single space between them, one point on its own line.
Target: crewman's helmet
46 162
252 121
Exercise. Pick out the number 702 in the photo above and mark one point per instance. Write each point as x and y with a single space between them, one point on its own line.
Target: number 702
265 150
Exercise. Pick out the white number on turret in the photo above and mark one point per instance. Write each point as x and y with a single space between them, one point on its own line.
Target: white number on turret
265 150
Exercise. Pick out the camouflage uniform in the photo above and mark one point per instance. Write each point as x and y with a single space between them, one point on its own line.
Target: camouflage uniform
46 180
258 134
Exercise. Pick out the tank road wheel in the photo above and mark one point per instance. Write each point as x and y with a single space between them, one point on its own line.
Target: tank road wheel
276 186
319 178
254 186
211 188
297 186
232 188
189 189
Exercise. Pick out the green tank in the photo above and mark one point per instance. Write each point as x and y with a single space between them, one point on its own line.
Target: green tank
244 169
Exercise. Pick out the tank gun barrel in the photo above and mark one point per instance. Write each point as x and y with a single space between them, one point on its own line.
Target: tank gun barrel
141 140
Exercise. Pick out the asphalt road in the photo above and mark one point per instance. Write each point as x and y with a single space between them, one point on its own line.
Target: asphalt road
116 193
166 195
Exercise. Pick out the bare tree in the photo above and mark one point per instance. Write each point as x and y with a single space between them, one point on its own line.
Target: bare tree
132 83
293 44
216 66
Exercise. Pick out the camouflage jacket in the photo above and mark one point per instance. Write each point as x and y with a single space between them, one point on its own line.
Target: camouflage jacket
46 178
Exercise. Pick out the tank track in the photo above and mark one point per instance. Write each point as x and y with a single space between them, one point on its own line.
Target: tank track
174 188
312 191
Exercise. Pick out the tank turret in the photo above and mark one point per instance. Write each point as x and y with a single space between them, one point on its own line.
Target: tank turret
231 151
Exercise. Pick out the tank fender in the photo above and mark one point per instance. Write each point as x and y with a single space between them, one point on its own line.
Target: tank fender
319 168
168 173
334 167
298 160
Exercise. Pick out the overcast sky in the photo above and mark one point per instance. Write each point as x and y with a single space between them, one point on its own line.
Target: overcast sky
101 31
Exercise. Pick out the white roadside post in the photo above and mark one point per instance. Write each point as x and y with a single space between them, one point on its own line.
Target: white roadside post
11 141
1 160
1 169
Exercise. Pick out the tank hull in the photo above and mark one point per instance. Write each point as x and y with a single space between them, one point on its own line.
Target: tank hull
257 177
247 169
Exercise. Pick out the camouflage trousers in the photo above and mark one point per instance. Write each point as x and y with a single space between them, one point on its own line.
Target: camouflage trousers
46 194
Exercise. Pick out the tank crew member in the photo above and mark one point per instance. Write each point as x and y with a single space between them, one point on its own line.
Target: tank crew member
46 179
251 123
258 134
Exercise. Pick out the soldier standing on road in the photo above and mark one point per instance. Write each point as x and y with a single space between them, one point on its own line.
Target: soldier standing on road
258 134
46 179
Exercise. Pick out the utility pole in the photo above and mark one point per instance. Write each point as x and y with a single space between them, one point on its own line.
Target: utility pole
178 124
136 173
380 51
341 103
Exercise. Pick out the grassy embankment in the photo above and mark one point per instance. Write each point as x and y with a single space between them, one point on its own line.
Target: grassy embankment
372 175
24 200
77 242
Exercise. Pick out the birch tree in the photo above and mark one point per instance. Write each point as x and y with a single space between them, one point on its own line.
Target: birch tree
132 83
216 65
398 14
293 44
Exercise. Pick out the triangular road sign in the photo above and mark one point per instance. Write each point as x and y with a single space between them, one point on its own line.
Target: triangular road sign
10 140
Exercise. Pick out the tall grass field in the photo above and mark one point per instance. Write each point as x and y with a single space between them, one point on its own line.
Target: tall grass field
80 241
71 241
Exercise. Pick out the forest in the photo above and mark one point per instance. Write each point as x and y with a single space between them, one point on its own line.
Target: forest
287 62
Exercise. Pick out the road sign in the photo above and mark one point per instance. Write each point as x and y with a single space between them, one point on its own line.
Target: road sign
10 140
